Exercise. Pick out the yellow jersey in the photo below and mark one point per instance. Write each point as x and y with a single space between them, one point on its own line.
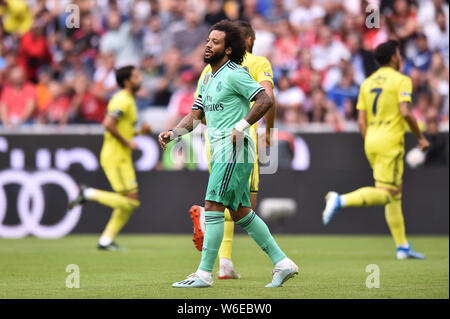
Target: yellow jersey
258 67
380 96
123 108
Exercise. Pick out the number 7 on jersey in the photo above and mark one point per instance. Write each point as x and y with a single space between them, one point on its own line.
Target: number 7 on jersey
378 92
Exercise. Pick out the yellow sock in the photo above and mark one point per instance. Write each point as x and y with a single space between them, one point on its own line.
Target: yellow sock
227 241
117 221
366 196
111 199
394 219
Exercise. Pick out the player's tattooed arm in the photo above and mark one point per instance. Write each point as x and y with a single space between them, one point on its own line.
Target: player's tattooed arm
262 104
269 117
406 110
186 125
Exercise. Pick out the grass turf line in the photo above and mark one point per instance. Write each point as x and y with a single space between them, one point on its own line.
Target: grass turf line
330 267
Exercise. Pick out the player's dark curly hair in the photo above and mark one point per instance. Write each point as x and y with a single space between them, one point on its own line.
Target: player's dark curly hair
233 38
123 74
385 51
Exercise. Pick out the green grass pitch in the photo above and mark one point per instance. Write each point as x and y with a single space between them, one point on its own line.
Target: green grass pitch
330 267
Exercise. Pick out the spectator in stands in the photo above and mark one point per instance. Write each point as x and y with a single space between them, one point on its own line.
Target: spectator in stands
264 37
289 102
345 95
329 51
303 77
437 33
362 60
421 108
33 49
303 15
153 38
43 94
57 111
89 106
151 75
438 78
182 99
320 109
420 58
277 12
286 46
171 63
104 80
403 21
87 40
419 83
214 12
248 9
191 36
436 154
375 36
122 39
18 99
428 11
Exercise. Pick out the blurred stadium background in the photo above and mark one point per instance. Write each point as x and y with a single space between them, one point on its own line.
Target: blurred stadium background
57 74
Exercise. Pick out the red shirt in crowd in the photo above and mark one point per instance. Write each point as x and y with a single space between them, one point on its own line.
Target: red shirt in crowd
33 53
56 110
92 109
16 100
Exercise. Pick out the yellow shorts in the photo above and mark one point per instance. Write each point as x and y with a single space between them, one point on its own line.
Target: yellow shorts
254 176
387 168
122 177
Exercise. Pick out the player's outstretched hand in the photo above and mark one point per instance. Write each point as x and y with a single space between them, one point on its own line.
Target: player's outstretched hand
164 138
237 137
423 144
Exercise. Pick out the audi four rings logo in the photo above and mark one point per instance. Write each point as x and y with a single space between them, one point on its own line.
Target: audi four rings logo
31 203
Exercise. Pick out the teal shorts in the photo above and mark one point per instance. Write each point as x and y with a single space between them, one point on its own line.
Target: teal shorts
228 181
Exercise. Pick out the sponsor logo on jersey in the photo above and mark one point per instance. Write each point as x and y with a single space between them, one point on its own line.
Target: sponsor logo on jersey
405 94
213 107
268 74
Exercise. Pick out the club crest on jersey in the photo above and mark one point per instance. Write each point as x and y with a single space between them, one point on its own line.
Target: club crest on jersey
206 79
219 86
379 79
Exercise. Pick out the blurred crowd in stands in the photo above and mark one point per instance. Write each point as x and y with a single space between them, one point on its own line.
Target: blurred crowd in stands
56 68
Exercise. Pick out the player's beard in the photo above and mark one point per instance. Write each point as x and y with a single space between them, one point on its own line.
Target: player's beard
214 58
136 87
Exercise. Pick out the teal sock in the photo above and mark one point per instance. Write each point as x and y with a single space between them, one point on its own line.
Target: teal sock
212 240
260 233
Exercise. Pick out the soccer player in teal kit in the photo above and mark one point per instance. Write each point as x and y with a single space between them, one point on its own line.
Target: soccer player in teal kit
224 98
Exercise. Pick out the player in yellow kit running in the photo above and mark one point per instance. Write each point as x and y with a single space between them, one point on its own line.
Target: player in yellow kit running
384 105
115 158
260 70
